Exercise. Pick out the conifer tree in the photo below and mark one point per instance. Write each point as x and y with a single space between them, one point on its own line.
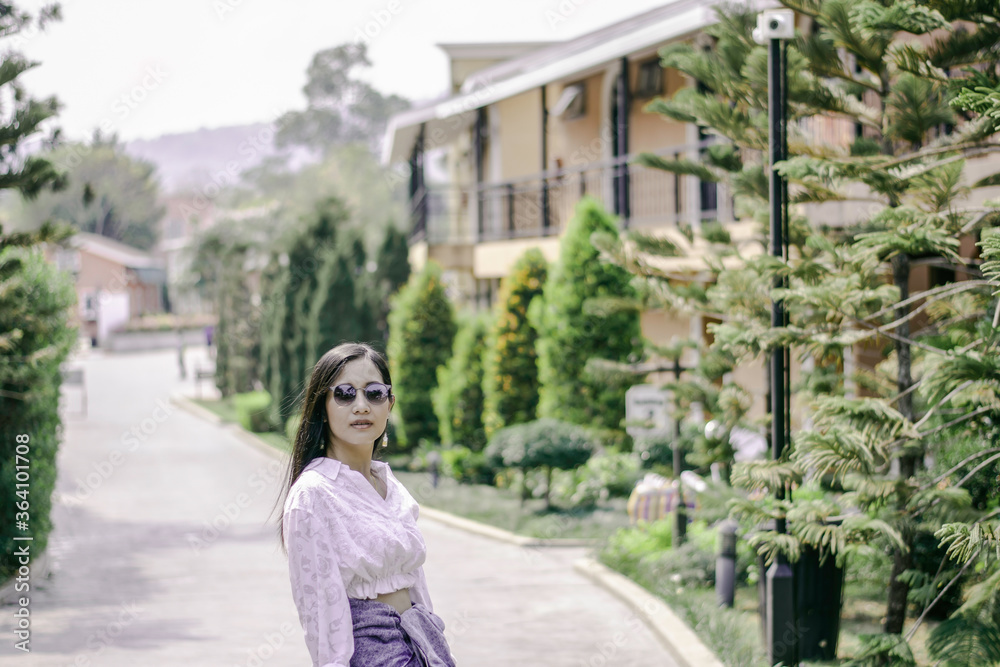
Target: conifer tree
569 334
510 365
458 399
421 332
391 272
852 287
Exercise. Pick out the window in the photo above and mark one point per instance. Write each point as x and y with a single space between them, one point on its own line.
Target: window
572 102
650 82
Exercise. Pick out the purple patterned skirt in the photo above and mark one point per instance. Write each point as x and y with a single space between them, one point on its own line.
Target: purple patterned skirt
385 638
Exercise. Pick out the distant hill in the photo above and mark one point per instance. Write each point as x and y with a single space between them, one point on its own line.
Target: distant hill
194 159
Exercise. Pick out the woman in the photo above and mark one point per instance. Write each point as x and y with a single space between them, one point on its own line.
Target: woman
355 554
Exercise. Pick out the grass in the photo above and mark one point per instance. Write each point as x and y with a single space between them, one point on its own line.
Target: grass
502 508
735 635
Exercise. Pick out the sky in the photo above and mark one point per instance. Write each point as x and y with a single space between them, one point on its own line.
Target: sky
144 68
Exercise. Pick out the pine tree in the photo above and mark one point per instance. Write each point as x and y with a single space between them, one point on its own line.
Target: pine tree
852 287
569 334
421 332
510 373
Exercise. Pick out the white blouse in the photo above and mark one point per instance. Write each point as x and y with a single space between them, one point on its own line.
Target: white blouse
345 541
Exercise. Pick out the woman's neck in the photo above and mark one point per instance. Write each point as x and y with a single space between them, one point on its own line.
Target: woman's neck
356 461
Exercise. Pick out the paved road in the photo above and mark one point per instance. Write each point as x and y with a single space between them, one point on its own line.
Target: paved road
164 552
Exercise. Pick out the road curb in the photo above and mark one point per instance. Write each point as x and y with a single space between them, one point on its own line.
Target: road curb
660 618
186 403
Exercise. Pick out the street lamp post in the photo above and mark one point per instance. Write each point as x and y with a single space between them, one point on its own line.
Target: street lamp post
774 27
680 512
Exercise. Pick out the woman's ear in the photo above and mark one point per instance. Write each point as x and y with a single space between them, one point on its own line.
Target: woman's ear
392 402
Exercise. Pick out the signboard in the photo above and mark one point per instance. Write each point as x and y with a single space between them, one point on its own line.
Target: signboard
646 411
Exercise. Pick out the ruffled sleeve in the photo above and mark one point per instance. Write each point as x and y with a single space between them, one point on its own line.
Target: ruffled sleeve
318 590
419 592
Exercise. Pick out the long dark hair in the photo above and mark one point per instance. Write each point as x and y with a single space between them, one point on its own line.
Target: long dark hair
313 436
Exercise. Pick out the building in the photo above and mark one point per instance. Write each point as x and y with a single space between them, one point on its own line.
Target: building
498 166
114 283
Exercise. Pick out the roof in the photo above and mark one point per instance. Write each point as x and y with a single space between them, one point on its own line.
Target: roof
114 251
444 119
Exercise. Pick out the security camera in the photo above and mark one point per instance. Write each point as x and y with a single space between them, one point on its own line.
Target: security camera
775 24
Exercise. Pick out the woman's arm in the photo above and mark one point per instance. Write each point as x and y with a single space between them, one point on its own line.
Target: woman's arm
318 590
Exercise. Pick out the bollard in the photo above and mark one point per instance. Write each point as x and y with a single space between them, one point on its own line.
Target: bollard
725 564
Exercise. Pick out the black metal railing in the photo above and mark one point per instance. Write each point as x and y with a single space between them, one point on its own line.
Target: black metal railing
541 204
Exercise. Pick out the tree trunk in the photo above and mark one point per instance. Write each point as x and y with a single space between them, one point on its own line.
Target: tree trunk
895 614
548 487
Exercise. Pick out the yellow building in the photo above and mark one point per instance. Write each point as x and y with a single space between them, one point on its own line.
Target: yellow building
498 166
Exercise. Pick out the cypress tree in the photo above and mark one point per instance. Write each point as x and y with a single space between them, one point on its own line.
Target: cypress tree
569 334
335 315
421 331
458 400
392 271
510 362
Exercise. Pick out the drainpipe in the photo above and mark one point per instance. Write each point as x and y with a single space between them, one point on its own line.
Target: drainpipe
480 154
621 142
545 165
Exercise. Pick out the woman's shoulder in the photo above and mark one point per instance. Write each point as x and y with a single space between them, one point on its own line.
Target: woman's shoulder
309 488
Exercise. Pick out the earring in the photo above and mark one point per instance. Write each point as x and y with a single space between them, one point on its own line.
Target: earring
385 440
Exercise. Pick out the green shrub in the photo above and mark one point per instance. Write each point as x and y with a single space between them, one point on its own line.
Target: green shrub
252 410
467 466
656 450
35 338
611 474
545 444
629 546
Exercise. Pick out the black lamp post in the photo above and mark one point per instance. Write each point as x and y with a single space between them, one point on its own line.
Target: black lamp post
774 27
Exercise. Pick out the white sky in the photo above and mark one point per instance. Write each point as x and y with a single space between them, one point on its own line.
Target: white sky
149 67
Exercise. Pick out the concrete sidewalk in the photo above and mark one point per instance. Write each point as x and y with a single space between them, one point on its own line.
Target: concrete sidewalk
164 551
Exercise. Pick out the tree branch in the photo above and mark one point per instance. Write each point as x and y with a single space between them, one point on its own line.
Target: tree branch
967 459
941 595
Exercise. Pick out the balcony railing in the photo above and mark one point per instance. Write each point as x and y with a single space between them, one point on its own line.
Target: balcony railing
541 205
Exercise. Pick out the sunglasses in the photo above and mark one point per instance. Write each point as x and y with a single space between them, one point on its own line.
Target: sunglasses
376 393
